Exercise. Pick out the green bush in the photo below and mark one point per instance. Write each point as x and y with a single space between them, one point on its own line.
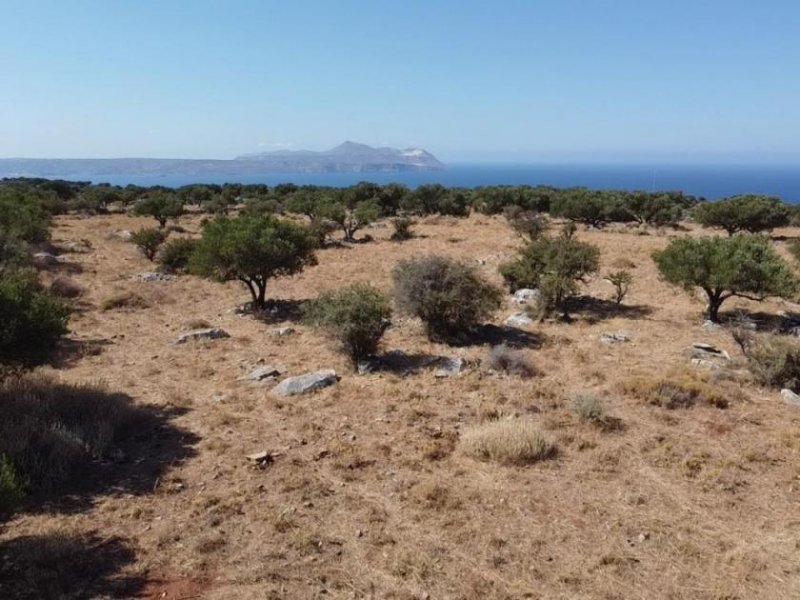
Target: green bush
23 216
450 297
621 280
175 255
744 213
355 316
149 240
745 265
252 250
581 206
32 320
402 229
554 265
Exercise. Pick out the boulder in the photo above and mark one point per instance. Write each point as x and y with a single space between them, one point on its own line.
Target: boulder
122 235
703 350
518 320
449 365
526 295
704 363
210 333
709 325
789 397
615 337
303 384
266 372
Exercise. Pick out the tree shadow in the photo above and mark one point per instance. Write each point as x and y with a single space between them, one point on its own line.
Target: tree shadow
280 311
787 323
69 352
489 334
594 309
400 363
55 566
74 443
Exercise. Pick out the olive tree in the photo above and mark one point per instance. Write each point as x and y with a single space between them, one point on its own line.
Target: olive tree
252 250
744 213
160 205
744 265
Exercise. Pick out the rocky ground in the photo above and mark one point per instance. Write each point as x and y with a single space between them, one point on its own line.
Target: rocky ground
361 489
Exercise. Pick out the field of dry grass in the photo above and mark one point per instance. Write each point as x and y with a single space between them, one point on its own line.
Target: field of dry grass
370 494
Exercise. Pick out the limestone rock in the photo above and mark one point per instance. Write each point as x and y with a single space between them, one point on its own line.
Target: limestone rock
789 397
449 365
265 372
526 296
302 384
615 337
45 259
210 333
703 350
518 320
154 276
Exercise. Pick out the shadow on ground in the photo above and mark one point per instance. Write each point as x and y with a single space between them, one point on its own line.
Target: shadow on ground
73 443
594 310
57 566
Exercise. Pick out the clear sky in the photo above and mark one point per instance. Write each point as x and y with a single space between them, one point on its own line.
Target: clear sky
514 80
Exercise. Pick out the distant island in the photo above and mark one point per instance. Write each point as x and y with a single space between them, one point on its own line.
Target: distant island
348 157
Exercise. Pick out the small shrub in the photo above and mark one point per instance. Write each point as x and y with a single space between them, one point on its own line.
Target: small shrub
125 299
32 320
555 266
528 224
402 229
356 316
507 360
175 254
679 391
510 442
149 240
449 297
64 287
621 280
774 361
589 408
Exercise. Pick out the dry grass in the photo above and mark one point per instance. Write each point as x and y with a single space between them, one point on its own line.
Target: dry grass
681 390
503 359
64 287
124 299
366 497
509 442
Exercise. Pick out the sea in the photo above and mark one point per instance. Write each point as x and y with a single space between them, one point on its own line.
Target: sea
707 181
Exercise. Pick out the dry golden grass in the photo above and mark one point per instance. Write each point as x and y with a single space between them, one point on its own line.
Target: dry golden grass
366 497
510 442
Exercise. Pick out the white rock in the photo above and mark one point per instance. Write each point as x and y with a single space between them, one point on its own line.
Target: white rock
303 384
705 363
700 349
45 259
449 365
210 333
615 337
266 372
283 331
526 295
519 320
790 397
154 276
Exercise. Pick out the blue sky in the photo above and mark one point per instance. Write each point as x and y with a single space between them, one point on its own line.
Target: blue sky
548 80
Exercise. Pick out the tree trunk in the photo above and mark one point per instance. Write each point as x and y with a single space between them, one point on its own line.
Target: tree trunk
715 301
261 301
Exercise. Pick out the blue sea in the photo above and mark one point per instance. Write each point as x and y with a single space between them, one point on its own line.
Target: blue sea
708 181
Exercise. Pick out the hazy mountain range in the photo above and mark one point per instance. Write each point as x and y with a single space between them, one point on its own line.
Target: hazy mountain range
348 157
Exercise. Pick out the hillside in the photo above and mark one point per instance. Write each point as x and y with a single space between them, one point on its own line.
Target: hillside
367 492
